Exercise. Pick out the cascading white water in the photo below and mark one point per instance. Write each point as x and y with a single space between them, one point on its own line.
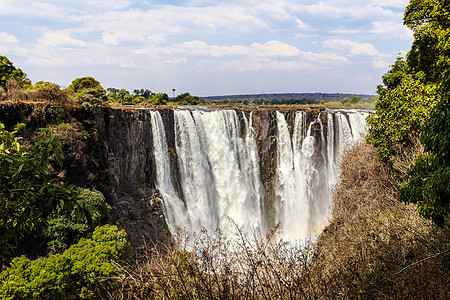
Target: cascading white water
218 169
174 209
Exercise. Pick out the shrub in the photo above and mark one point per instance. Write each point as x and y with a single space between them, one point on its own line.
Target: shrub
64 226
74 274
51 92
29 193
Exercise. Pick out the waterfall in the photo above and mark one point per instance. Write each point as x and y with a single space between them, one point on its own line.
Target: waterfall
219 170
174 209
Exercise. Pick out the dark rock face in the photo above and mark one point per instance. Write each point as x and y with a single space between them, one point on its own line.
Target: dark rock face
117 157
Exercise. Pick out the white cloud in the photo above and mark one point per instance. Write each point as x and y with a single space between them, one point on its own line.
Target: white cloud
275 49
301 25
202 48
8 38
355 48
391 29
380 64
60 38
392 3
121 38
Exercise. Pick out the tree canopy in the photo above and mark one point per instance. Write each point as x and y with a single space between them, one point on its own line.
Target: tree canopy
9 71
88 91
413 112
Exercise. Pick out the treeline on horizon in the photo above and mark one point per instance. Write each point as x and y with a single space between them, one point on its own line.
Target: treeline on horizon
282 99
88 92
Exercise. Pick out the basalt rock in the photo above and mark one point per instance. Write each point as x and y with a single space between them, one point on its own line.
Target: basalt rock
117 158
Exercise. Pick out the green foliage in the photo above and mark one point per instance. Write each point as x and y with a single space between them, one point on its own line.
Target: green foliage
412 106
428 181
28 193
346 100
39 84
80 85
401 112
91 98
158 99
89 92
73 274
9 71
356 98
188 99
430 21
64 226
372 99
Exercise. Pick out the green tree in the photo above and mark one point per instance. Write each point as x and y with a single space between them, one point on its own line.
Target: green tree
79 85
9 71
88 91
158 99
356 98
28 192
63 227
413 106
346 100
430 22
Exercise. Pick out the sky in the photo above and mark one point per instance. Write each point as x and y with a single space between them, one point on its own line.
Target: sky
207 47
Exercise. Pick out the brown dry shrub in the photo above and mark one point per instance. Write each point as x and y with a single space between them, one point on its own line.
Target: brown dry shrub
53 94
375 246
15 92
2 94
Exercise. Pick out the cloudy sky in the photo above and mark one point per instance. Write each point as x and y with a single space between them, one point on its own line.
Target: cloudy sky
207 47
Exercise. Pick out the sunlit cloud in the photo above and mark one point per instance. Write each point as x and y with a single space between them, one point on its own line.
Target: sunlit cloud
8 38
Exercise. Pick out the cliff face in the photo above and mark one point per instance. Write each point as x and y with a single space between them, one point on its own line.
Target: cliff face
116 157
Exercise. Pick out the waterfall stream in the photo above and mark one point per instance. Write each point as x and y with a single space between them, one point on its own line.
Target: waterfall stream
219 170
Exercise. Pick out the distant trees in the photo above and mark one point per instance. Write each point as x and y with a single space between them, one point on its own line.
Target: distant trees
354 99
143 96
188 99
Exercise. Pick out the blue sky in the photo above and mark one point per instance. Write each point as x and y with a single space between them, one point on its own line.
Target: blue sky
207 47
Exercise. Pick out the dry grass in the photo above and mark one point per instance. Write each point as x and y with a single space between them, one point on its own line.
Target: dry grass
373 238
374 248
49 94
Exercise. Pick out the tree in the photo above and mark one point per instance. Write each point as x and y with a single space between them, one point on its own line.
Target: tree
355 98
9 71
430 22
413 106
88 91
80 85
50 92
346 100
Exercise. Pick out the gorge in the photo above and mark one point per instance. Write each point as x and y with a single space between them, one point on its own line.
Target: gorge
216 175
257 167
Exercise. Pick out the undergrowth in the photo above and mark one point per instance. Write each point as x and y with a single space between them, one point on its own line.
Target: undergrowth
374 248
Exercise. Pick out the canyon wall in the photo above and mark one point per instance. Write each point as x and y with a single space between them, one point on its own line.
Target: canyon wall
116 155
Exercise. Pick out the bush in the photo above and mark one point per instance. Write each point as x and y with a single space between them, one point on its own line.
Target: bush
29 193
74 274
64 226
91 98
51 92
